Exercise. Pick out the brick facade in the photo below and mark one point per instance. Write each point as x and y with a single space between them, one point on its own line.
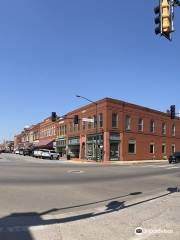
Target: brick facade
125 131
118 138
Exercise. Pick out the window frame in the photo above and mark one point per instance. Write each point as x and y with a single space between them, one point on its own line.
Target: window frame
128 122
164 145
132 142
173 130
140 125
101 120
114 121
164 128
152 126
152 144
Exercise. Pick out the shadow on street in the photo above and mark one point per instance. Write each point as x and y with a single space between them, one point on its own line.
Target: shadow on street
16 225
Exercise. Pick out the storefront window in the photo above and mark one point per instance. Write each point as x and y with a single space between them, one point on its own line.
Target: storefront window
91 147
114 151
151 148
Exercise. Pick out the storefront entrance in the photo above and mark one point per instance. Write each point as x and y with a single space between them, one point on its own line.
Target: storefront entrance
74 147
114 147
91 147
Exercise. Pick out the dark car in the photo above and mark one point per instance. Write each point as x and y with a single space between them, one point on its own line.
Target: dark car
21 151
175 158
27 152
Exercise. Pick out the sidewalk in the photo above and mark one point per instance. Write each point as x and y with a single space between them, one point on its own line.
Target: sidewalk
156 217
118 162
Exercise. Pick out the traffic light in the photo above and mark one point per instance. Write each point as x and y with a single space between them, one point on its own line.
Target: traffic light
53 117
164 18
158 19
76 119
173 111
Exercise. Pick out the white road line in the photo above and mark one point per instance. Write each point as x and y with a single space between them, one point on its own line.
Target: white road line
172 167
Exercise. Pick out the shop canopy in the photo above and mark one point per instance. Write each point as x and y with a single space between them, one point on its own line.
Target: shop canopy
44 144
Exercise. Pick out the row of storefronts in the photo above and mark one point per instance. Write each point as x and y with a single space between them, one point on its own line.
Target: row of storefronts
73 147
120 131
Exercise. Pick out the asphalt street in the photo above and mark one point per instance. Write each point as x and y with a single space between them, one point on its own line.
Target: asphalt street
29 185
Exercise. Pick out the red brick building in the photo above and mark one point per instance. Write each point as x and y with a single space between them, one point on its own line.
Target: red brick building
47 134
125 132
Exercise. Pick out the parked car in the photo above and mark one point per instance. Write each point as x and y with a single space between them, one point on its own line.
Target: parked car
16 152
27 152
37 153
50 154
21 151
175 158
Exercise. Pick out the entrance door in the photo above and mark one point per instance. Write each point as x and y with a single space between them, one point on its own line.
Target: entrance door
114 151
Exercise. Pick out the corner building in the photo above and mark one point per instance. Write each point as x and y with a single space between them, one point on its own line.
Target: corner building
125 132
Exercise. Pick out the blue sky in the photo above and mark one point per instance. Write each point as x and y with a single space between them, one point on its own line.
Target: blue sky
52 50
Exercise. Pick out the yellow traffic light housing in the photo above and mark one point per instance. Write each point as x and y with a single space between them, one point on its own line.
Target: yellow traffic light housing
164 18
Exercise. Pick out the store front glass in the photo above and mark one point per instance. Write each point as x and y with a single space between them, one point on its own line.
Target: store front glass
91 147
74 147
114 147
61 146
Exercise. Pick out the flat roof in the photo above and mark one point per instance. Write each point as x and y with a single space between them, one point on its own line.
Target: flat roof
117 101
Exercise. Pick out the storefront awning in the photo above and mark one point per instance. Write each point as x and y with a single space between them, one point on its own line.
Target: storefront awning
44 144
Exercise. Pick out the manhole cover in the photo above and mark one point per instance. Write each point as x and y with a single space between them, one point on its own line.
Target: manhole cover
75 171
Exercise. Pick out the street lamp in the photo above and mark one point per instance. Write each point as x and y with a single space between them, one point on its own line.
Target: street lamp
95 103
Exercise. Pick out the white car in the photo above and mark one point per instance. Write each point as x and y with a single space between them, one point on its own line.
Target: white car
51 154
16 152
37 153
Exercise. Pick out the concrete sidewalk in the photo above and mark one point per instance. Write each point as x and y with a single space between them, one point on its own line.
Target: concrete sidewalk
80 161
150 218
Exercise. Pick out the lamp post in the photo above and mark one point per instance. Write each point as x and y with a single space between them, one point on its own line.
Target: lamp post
95 103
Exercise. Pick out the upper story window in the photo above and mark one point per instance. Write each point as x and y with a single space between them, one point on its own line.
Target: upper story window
164 129
152 126
83 125
89 122
95 121
173 130
100 120
128 122
140 125
114 120
70 127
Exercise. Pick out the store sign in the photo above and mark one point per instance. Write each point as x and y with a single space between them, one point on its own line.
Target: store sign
74 141
115 137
